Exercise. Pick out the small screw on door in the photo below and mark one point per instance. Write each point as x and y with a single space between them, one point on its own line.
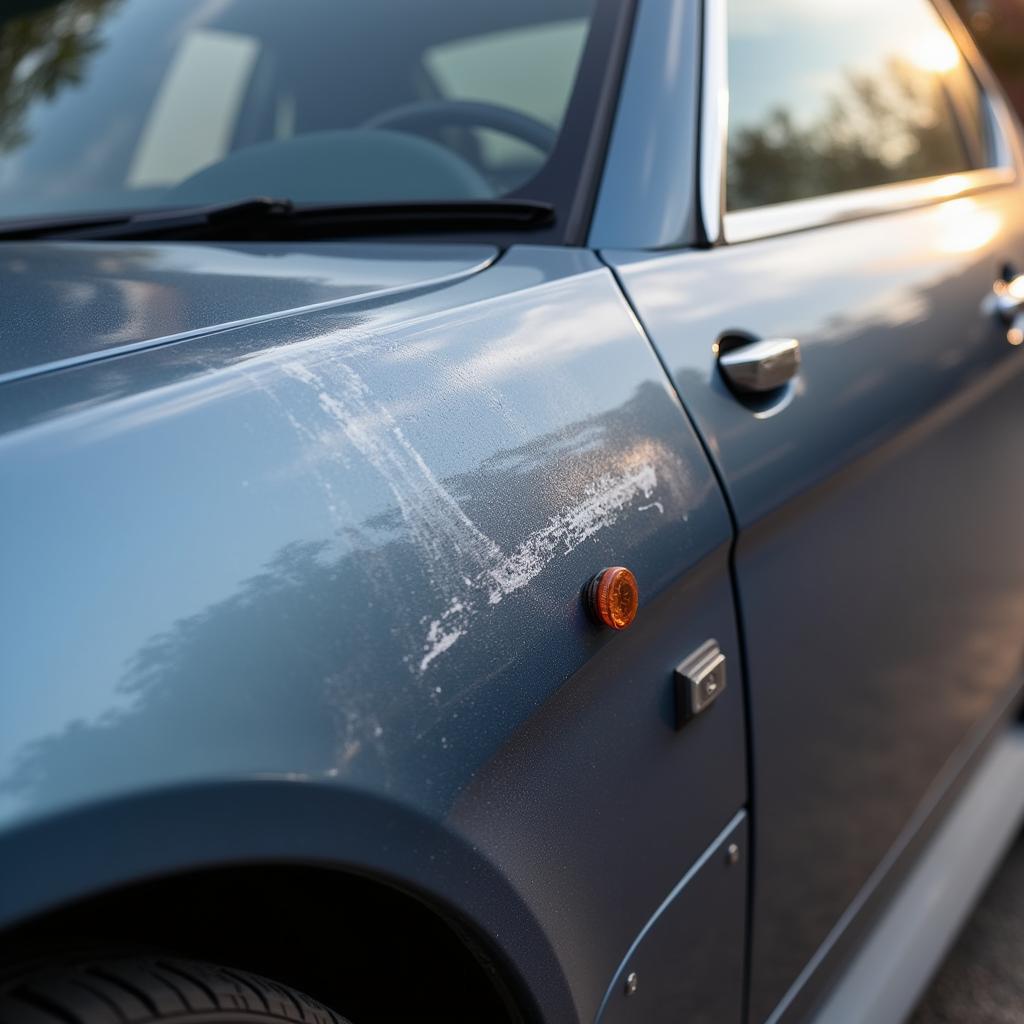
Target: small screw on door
732 854
632 981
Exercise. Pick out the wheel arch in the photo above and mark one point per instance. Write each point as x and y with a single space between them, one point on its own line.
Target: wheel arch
203 870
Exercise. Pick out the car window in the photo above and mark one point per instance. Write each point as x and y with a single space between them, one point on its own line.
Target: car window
531 67
131 104
191 119
826 97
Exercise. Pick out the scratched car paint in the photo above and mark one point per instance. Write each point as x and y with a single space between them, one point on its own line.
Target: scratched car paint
365 479
297 534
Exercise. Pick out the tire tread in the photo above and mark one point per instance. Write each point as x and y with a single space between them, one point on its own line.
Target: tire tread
152 990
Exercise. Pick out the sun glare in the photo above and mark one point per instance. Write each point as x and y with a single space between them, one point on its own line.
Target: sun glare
935 52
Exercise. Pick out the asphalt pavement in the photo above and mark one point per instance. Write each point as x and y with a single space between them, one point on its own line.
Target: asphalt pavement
982 979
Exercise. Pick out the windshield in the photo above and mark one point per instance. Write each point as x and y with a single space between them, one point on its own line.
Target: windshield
130 105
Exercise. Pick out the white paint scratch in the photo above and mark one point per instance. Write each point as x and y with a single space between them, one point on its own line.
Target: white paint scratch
438 642
442 633
600 507
468 569
440 528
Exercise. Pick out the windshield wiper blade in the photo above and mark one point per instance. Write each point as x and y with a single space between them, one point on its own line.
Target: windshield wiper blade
104 225
266 219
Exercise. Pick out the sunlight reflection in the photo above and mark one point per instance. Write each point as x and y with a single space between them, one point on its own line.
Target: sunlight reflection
965 226
948 185
934 52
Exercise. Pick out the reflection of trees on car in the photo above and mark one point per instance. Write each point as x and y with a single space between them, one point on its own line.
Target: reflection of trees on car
875 129
41 53
263 645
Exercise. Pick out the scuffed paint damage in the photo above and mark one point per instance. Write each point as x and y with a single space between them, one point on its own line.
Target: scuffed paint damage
469 570
600 507
442 633
603 501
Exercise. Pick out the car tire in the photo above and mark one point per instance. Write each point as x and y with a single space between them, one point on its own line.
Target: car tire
153 990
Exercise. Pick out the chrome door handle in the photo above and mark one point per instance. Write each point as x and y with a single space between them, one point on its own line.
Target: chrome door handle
1009 298
759 366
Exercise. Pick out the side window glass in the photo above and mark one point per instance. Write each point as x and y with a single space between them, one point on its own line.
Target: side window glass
826 97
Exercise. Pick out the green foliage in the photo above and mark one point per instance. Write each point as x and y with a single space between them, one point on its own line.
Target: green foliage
41 53
874 129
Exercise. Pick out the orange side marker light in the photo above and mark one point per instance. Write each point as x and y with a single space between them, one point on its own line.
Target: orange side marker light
613 597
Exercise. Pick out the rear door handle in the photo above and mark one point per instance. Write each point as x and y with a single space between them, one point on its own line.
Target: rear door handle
759 366
1009 298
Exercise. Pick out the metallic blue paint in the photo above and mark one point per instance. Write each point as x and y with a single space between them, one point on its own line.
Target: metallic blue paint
648 193
689 955
78 299
652 799
289 555
879 570
293 540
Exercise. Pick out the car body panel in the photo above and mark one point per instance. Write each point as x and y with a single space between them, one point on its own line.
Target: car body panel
113 845
296 536
648 193
611 730
878 575
688 963
892 969
347 547
79 300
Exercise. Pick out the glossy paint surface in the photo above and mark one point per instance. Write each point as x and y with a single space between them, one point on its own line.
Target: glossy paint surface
76 299
343 551
879 561
647 198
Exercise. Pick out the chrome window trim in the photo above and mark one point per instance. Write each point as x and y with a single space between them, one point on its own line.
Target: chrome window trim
838 207
714 120
818 211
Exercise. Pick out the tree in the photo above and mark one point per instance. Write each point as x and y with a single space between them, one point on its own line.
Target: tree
41 53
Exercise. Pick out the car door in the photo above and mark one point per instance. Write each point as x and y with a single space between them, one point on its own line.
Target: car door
872 212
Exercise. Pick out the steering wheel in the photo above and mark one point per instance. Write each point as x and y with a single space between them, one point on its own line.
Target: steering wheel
432 114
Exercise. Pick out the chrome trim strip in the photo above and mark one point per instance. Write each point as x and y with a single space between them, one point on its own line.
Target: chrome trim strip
714 119
783 218
995 115
1006 153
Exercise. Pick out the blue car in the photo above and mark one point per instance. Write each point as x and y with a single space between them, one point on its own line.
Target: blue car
511 512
